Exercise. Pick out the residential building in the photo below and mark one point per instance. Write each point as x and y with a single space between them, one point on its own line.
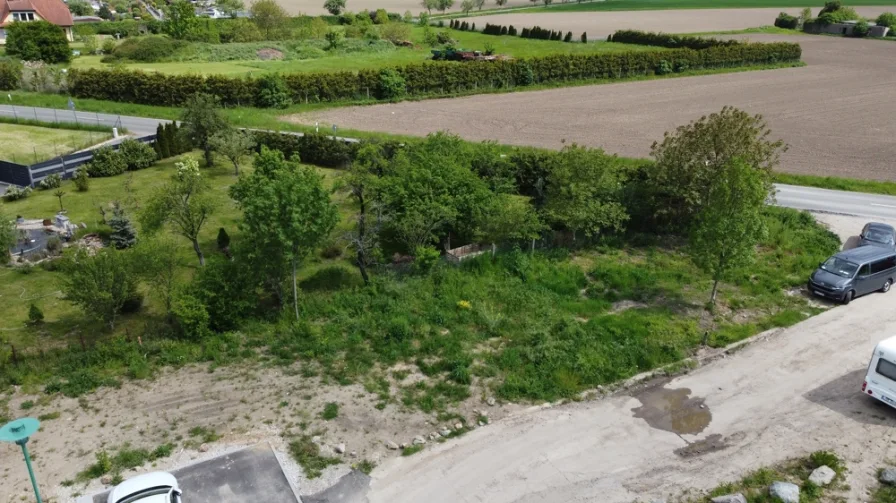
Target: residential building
17 11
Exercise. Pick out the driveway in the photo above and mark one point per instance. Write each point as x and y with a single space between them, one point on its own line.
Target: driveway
790 393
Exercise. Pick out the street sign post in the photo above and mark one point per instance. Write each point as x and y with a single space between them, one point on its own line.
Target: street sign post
18 432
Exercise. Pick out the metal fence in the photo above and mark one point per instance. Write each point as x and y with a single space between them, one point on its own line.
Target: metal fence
64 166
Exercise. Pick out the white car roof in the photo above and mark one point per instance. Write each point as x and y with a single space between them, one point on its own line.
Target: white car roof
140 483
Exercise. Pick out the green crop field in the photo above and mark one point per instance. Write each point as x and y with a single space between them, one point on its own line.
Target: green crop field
308 56
31 144
616 5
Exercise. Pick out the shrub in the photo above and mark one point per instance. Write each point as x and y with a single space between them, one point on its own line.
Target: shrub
861 29
223 239
887 19
52 181
391 84
35 315
108 46
37 41
10 75
54 244
425 258
272 92
14 193
663 67
190 317
136 155
584 38
785 20
106 162
81 179
123 233
396 32
147 49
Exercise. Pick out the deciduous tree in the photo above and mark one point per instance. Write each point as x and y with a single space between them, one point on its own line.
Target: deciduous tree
100 284
180 19
689 158
729 223
233 145
37 41
270 18
80 8
230 7
8 237
201 120
183 204
362 179
158 263
285 208
334 7
512 218
466 6
444 5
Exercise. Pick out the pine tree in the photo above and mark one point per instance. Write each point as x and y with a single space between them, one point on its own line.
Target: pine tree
568 37
123 233
584 38
223 239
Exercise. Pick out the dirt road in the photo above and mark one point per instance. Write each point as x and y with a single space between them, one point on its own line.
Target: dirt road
836 113
795 392
600 24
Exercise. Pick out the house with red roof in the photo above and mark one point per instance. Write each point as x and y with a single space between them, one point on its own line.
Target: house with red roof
22 11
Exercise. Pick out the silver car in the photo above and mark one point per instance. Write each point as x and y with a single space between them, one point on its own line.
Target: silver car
878 234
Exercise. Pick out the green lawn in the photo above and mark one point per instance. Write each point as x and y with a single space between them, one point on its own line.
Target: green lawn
357 58
32 144
616 5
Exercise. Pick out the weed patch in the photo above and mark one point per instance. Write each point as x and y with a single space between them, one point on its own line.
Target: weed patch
307 454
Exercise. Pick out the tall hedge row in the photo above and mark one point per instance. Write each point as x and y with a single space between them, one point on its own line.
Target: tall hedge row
424 79
313 148
670 41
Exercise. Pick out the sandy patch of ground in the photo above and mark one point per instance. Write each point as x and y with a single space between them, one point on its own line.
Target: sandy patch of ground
245 405
600 24
836 113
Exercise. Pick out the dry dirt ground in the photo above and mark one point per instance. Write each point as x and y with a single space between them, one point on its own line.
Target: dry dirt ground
836 113
600 24
785 395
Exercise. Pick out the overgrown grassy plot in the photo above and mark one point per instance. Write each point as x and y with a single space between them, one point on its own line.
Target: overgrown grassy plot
25 144
611 5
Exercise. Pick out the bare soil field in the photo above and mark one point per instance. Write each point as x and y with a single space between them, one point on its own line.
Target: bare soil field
600 24
836 113
244 405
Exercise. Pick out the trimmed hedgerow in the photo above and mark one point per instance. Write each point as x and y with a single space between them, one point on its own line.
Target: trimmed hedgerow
424 79
671 41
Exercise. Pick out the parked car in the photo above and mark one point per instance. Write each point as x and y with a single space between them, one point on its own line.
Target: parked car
155 487
855 272
878 234
880 380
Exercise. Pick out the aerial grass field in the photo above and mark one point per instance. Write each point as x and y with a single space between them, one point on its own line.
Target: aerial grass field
25 144
311 55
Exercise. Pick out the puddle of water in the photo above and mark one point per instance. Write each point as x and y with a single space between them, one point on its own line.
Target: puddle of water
711 443
672 410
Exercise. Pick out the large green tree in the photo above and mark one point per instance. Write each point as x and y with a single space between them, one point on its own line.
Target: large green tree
80 8
729 224
334 7
180 20
8 237
285 207
100 284
362 181
201 120
512 218
233 145
37 41
184 204
690 158
584 191
270 18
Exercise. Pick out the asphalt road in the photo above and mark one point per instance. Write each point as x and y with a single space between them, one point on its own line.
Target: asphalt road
136 125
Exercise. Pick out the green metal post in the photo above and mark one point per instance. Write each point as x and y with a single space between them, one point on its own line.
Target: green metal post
30 470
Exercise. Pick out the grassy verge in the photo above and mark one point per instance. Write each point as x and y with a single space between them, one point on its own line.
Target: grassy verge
31 144
614 5
754 486
884 494
835 183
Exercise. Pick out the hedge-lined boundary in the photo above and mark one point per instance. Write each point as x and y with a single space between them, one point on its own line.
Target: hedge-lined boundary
424 79
671 41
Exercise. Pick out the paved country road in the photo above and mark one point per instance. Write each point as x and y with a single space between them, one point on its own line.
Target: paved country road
785 395
136 125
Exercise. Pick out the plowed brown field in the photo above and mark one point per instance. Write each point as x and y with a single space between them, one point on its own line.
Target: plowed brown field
838 113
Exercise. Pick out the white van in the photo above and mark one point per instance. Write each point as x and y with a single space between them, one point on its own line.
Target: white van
880 381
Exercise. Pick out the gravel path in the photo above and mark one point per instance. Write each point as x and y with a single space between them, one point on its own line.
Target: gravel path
837 113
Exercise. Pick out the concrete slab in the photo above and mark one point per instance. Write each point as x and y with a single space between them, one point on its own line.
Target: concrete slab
351 488
251 474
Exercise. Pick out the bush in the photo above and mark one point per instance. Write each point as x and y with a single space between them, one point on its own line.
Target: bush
584 38
35 315
671 41
10 75
137 155
37 41
861 29
14 193
81 179
147 49
106 162
425 258
312 148
396 32
887 19
50 182
54 244
785 20
272 92
108 46
663 67
190 317
391 85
